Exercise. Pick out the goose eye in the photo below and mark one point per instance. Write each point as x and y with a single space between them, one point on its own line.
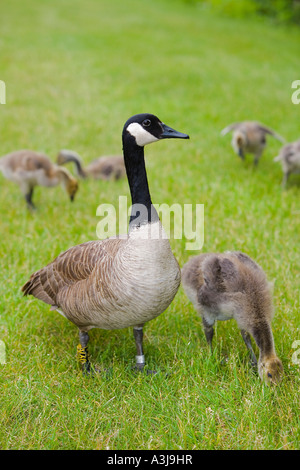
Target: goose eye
146 123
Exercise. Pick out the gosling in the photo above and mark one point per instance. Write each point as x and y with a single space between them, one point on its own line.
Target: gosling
231 285
249 137
29 169
105 168
289 156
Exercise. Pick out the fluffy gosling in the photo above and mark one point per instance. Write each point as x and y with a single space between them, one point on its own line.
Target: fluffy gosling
105 168
249 137
231 285
29 169
289 156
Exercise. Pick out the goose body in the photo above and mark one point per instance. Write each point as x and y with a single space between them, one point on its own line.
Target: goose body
29 169
249 137
105 167
230 285
289 156
110 284
121 281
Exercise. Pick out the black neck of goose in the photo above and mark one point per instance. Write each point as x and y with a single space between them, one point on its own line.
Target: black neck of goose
143 211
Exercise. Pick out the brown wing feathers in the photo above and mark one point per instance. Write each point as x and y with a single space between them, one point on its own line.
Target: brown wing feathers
69 267
74 266
36 288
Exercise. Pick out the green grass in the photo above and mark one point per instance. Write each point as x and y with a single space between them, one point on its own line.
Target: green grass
74 73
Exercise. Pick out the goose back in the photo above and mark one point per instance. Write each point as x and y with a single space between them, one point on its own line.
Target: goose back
226 285
28 165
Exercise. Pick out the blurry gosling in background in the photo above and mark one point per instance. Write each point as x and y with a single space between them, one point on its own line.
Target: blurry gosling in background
289 156
249 137
105 168
121 281
29 169
232 285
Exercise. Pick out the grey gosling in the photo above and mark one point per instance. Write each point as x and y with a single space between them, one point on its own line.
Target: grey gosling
231 285
122 281
105 167
29 169
289 156
249 137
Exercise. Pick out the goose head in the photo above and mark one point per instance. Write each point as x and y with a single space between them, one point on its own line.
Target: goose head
239 142
69 183
146 128
72 188
270 370
138 131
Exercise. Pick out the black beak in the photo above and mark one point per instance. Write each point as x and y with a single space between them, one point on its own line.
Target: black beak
169 133
72 197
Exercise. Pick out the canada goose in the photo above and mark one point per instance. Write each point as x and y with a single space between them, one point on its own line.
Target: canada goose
110 167
249 137
231 285
120 281
29 169
289 156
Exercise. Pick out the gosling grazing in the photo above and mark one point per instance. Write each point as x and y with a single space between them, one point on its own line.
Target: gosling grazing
105 168
249 137
29 169
231 285
289 156
121 281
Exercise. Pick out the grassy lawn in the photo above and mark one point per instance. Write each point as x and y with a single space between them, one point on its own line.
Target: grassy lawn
74 73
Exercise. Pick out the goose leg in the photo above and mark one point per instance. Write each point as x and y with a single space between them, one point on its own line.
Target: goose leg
285 179
247 340
28 198
209 332
241 154
140 358
82 351
257 157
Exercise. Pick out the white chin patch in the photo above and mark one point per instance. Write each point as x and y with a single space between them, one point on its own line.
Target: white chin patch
142 137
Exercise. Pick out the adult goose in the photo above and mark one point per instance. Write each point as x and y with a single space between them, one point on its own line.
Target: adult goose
104 168
118 282
29 169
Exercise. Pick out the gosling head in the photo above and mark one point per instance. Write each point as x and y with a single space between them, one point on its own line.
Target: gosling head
146 128
270 370
67 181
61 158
72 188
239 143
